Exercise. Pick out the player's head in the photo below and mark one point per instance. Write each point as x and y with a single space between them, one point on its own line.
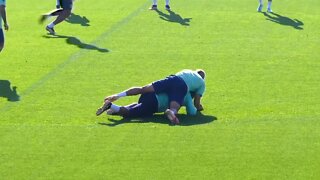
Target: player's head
201 73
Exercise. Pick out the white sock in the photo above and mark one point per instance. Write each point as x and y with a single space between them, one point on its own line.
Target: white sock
155 2
174 111
115 108
260 1
167 2
51 25
122 94
269 4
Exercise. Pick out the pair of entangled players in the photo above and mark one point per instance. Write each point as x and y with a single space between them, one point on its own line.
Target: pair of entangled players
167 95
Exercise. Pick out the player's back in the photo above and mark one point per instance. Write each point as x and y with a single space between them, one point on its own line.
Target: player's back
193 80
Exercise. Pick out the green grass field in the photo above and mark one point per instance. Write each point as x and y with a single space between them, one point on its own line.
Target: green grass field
262 102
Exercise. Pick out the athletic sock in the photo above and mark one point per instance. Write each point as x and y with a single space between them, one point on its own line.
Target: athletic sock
115 108
174 111
167 2
155 2
51 25
58 4
260 1
269 4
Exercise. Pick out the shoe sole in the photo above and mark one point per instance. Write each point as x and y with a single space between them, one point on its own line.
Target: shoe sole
50 31
172 117
105 107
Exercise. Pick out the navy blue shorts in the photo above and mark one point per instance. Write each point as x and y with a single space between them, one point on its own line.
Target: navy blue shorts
173 86
147 106
66 4
1 36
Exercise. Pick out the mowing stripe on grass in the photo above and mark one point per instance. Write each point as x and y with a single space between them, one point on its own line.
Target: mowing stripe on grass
79 54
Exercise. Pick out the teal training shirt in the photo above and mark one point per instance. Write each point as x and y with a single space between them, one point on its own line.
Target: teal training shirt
188 102
193 80
163 103
2 2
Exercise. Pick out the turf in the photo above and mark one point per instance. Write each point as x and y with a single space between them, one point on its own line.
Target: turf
261 117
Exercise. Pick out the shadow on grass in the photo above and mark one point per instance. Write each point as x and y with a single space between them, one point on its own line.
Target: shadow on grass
7 92
75 41
77 19
185 120
173 17
283 20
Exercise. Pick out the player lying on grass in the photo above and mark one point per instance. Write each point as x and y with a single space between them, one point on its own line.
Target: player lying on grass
175 86
3 17
149 104
63 11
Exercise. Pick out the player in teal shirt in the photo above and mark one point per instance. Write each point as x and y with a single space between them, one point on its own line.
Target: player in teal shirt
195 83
3 18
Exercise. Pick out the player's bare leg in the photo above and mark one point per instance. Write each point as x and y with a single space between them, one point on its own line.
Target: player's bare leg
131 92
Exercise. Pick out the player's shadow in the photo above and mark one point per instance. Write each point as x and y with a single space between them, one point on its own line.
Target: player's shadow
7 92
77 19
174 17
75 41
283 20
185 120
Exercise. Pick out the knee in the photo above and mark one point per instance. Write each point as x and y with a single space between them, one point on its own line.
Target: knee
147 89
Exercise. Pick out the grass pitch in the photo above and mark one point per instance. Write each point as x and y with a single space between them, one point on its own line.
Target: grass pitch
261 117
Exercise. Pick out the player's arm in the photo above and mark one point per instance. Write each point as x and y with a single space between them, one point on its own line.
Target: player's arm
197 97
4 16
191 109
197 102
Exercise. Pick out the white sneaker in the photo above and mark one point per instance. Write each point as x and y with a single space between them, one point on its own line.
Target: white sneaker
153 7
269 10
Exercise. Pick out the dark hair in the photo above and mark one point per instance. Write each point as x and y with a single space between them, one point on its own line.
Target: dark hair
201 73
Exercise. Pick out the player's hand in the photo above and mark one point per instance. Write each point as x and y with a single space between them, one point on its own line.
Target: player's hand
200 107
111 98
6 27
